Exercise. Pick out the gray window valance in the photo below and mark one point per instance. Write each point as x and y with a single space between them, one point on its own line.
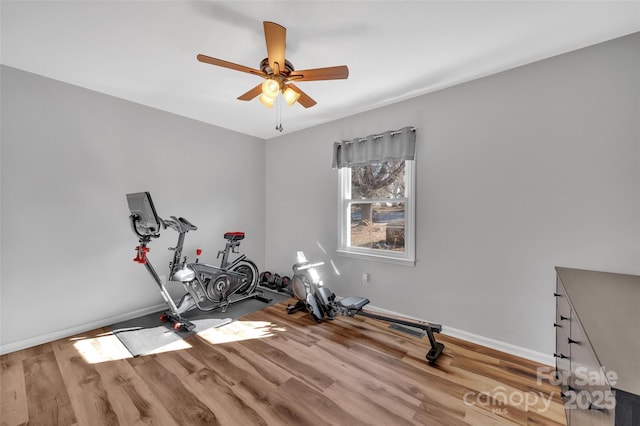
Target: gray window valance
392 145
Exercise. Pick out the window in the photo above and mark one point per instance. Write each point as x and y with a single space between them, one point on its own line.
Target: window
377 219
377 208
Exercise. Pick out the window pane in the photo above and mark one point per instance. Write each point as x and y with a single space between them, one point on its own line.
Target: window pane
379 180
378 225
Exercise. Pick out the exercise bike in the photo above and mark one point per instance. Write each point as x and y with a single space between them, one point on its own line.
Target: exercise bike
207 287
322 303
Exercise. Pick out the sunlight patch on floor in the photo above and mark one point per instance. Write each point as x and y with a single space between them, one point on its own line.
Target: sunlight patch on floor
103 348
107 347
178 345
240 330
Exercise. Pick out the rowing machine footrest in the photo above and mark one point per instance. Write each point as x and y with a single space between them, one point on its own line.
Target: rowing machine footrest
434 353
353 302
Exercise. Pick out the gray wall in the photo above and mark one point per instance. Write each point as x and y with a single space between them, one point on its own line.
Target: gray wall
69 156
516 173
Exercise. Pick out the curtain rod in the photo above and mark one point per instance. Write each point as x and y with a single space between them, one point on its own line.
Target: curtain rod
393 132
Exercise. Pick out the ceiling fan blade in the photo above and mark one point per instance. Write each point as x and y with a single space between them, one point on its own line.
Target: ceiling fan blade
304 99
329 73
226 64
251 93
275 35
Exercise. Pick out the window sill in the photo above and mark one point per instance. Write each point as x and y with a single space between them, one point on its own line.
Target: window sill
376 257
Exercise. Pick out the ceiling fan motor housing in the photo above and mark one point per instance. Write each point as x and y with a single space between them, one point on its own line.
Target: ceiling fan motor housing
288 67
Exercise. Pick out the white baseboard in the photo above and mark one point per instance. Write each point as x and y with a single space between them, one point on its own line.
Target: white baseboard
529 354
67 332
526 353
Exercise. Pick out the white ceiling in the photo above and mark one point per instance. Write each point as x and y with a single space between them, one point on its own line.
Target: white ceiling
145 51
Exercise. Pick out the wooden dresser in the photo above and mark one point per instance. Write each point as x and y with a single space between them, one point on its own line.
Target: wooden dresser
598 346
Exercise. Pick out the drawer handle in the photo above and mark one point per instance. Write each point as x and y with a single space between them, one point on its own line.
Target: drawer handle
561 356
596 408
563 318
556 294
570 340
557 325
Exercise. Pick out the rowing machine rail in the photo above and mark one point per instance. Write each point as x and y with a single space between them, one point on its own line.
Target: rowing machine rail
354 306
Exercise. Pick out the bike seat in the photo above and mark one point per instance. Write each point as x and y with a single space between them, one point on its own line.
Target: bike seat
234 236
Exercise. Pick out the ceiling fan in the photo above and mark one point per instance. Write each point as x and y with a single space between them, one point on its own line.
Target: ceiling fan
278 72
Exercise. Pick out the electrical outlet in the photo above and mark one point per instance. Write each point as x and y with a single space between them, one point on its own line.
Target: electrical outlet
365 279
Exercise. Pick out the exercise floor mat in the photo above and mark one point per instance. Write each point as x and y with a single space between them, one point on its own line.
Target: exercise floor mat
147 334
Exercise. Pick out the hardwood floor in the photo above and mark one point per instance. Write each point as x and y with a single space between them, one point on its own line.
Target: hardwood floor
270 368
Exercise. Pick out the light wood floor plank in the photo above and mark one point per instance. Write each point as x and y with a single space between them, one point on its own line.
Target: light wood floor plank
378 402
85 386
133 401
254 363
184 406
275 407
229 408
47 396
13 389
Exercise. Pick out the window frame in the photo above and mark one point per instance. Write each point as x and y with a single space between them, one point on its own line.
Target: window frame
407 257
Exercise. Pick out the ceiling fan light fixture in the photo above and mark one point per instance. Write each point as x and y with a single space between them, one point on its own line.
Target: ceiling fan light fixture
270 88
267 100
291 96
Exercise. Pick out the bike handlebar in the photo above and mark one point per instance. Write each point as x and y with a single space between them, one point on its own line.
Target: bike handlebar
190 226
179 224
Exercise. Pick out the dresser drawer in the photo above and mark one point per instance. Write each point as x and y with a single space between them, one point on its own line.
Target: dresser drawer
590 397
562 325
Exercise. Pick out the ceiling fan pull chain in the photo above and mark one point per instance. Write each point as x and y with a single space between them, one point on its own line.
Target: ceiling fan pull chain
278 115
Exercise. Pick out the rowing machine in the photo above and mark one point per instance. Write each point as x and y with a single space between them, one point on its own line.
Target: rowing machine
321 302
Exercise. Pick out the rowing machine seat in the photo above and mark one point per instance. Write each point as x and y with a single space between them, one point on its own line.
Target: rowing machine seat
353 302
